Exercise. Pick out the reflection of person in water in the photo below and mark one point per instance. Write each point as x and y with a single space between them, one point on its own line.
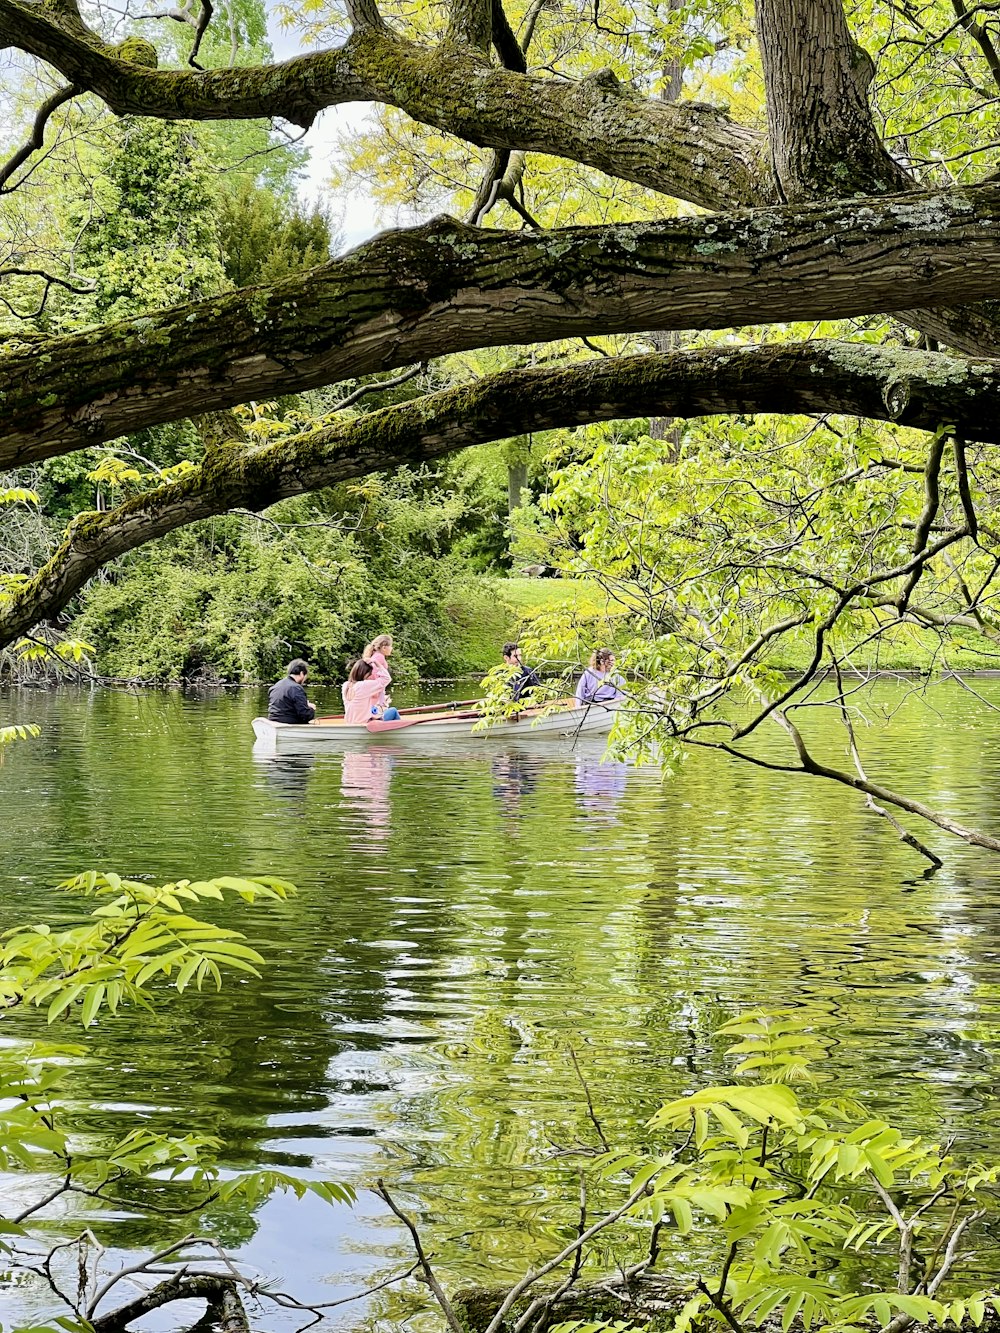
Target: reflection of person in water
287 775
514 776
599 787
364 780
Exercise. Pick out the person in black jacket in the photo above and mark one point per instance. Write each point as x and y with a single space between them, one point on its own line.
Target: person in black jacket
522 677
286 701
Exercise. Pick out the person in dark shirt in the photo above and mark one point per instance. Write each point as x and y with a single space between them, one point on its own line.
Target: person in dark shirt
522 677
286 701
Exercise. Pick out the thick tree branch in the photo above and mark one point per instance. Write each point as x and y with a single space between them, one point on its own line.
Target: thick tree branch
445 287
690 150
506 45
981 35
220 1293
811 377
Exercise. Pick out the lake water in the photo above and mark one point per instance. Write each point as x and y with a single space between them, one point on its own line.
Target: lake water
468 915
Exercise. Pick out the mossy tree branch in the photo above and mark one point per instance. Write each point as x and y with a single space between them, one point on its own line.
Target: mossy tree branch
446 287
689 150
918 389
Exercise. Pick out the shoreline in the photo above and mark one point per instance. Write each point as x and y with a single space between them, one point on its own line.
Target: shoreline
138 683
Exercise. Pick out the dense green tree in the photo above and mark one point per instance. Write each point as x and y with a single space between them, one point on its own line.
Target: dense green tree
153 238
264 237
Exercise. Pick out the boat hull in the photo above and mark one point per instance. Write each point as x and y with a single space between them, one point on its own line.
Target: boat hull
551 723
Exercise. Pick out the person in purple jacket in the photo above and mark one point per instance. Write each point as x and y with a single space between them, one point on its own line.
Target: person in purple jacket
598 684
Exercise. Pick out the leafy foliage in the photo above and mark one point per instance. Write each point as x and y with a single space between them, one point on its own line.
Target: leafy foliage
140 937
239 598
792 1188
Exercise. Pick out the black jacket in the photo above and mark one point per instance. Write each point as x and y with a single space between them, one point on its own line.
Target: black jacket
523 679
286 702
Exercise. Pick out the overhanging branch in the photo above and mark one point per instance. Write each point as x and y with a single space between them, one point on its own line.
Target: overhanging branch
445 287
810 377
689 150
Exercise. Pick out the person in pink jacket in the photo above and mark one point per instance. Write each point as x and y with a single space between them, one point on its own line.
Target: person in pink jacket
362 695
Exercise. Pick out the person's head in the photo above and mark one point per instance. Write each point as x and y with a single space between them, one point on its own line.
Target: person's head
512 654
602 659
361 670
382 643
298 670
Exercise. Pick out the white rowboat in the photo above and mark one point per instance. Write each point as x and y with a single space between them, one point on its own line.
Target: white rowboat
563 717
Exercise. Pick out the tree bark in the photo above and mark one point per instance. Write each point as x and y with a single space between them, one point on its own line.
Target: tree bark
919 389
823 138
693 151
445 287
470 23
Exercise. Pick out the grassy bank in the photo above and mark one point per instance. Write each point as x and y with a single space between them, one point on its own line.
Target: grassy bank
504 606
511 603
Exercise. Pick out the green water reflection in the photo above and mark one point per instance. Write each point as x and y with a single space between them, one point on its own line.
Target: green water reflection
465 912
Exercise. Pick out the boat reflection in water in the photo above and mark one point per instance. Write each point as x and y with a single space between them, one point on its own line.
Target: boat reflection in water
514 775
286 775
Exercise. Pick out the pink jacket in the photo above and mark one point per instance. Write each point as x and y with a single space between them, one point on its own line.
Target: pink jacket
380 672
360 698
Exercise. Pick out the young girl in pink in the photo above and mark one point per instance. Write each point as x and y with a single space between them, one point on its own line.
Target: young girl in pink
377 651
364 694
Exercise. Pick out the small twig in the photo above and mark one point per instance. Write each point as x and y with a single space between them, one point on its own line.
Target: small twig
454 1323
364 389
543 1305
531 1278
722 1307
905 835
288 1302
115 1278
35 1207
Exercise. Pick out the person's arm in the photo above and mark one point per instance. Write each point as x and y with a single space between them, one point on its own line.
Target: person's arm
584 688
304 711
371 690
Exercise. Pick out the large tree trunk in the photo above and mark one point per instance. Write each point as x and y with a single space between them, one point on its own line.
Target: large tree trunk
823 139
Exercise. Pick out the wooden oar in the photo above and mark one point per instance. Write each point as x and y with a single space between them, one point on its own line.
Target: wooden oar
440 708
417 708
377 726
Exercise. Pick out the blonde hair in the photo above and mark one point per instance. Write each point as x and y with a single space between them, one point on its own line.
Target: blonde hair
600 659
378 645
